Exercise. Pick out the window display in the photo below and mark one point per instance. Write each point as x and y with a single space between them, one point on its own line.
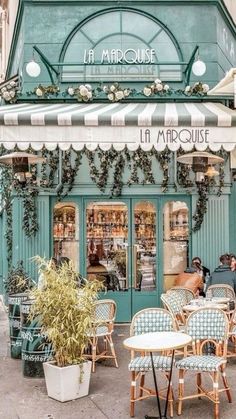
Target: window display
65 232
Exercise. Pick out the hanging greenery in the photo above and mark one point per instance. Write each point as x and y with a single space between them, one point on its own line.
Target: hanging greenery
106 167
201 205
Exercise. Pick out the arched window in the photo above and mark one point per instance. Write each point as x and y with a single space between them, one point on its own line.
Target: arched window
121 45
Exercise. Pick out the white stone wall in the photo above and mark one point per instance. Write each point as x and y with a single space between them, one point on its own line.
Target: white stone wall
231 5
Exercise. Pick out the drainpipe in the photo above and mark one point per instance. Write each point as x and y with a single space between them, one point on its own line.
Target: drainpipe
60 185
3 14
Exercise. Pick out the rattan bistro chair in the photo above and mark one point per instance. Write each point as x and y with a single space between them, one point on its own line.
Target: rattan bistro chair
207 327
185 293
172 301
145 321
221 290
102 329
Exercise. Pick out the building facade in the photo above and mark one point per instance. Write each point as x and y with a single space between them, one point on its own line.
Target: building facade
113 103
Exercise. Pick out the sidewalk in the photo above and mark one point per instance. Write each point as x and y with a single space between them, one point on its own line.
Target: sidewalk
26 398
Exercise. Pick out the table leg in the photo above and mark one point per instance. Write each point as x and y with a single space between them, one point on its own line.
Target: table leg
156 389
170 378
157 393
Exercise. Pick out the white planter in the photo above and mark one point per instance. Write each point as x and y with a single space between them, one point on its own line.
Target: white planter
67 383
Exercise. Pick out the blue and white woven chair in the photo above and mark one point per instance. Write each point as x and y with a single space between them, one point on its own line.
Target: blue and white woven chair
103 325
209 329
185 293
146 321
172 301
221 290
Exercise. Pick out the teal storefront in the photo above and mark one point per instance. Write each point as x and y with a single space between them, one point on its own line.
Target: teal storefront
113 105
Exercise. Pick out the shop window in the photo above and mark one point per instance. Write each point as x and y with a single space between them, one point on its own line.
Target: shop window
66 232
107 240
176 240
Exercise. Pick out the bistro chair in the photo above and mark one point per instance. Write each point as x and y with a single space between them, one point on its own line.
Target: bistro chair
172 301
221 290
102 329
208 327
185 293
146 321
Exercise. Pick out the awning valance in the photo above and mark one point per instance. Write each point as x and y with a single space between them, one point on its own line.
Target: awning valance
186 125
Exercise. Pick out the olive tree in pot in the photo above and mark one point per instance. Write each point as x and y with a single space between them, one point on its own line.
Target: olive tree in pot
66 317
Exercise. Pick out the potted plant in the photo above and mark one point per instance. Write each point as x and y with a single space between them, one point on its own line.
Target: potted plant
66 315
17 286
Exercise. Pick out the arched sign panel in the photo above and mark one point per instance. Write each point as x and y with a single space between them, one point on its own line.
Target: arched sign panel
122 45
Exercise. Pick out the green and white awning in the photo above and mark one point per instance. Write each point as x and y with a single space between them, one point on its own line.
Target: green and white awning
175 125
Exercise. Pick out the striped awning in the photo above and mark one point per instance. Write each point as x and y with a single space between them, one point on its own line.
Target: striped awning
186 125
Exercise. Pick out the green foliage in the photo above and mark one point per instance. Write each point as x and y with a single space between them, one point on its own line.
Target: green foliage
18 280
66 312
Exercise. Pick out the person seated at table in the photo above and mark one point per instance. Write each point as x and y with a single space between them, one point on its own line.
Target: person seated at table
95 268
233 262
190 279
223 274
201 270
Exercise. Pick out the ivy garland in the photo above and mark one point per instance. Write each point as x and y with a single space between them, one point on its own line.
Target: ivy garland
6 181
101 165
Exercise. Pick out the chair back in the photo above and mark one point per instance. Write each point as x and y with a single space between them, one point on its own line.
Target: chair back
185 293
105 311
172 301
152 320
221 290
208 326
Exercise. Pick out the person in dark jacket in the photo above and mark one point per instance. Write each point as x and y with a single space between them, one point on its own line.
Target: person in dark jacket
223 274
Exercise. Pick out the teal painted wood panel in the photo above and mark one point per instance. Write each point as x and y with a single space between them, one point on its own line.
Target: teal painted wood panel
25 248
212 240
1 254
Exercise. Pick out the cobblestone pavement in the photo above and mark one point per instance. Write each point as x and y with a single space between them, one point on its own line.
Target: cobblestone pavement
26 398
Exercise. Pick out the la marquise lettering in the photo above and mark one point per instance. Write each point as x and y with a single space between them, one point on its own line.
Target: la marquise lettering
170 136
192 136
118 56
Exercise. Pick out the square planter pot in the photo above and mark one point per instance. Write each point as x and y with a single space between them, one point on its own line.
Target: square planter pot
67 383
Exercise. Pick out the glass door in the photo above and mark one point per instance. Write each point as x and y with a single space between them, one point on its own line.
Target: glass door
144 254
121 252
108 251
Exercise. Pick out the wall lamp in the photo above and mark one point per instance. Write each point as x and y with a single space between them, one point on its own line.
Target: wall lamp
20 161
202 163
33 68
195 65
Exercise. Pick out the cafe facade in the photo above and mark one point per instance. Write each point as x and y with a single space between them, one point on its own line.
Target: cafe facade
111 95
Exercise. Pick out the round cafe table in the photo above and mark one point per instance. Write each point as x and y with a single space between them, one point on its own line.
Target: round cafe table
156 342
194 307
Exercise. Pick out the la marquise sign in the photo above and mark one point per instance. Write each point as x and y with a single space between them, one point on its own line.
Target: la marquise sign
118 56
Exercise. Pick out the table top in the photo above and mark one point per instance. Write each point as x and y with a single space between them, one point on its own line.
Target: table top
157 341
194 307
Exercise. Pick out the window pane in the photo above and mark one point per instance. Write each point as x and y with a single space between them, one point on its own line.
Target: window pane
176 240
66 232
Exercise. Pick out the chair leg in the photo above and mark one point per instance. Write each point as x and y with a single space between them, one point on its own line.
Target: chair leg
171 401
132 393
226 385
181 391
216 394
199 382
109 338
142 380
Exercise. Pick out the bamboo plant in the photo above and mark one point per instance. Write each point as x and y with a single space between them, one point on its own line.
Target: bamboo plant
66 313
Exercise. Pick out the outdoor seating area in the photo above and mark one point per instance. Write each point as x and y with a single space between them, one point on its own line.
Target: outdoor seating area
209 323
